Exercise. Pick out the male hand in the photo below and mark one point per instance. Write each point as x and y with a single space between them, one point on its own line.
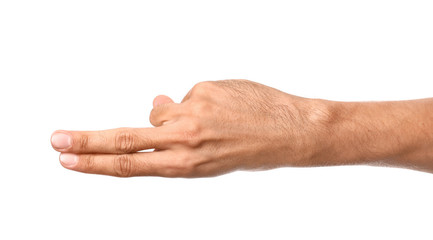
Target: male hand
223 126
219 127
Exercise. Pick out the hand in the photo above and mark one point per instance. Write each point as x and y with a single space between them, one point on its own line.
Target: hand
219 127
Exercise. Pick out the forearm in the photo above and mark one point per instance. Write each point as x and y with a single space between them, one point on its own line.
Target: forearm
396 133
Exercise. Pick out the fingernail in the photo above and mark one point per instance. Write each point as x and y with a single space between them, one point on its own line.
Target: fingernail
68 159
61 140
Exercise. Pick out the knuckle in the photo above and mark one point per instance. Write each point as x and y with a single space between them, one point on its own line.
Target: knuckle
83 142
187 172
87 163
160 114
125 141
201 88
182 166
170 172
198 108
191 134
123 165
153 118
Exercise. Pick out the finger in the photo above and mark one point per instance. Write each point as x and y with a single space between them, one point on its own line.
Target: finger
119 140
161 99
120 165
162 114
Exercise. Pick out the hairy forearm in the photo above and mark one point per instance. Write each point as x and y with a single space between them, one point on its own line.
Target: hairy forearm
398 133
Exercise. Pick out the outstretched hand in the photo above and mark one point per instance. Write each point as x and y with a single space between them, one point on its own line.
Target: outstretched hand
219 127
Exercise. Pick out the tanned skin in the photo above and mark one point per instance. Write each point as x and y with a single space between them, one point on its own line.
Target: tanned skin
229 125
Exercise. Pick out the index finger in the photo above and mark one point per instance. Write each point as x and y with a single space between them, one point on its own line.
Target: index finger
119 140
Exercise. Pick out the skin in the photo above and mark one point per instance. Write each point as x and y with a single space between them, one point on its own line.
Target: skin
229 125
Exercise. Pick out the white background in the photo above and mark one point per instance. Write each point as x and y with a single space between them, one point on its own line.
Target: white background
91 65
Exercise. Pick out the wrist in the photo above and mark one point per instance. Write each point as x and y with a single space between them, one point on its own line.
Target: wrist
324 131
373 133
347 133
317 120
357 133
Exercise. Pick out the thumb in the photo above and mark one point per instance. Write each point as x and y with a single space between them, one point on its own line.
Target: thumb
161 99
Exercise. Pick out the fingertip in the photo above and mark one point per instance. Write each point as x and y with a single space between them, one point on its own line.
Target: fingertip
161 99
61 140
68 160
